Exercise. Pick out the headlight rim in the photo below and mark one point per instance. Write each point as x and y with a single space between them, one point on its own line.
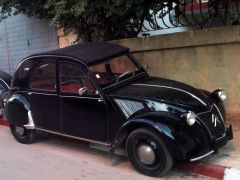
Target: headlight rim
220 94
191 118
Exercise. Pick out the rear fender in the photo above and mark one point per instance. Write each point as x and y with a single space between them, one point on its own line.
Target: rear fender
17 112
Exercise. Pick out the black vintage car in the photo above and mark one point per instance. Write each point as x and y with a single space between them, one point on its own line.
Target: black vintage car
98 92
5 81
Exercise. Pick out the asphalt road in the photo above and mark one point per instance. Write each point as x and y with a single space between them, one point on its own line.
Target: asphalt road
51 158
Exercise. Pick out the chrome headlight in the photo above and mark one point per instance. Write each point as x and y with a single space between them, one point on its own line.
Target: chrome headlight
191 118
220 94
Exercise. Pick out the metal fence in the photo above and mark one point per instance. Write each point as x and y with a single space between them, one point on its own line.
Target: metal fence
194 14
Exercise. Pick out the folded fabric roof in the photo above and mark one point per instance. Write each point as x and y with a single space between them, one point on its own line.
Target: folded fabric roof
89 53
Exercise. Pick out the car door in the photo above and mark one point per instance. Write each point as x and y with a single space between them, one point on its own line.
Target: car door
83 115
43 96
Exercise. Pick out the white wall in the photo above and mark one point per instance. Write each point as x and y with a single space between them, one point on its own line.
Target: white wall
21 36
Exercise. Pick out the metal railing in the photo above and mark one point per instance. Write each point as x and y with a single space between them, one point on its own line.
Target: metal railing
194 14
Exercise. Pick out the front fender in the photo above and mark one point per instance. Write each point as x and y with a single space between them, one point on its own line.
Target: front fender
17 112
163 124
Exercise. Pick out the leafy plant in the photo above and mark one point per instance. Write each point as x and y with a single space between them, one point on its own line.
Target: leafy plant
91 20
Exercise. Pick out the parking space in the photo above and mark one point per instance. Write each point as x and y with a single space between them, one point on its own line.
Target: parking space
53 158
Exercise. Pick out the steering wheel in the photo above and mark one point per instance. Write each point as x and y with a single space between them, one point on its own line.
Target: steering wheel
122 75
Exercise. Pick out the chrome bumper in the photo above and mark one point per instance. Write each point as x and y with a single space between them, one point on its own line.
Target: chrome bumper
216 145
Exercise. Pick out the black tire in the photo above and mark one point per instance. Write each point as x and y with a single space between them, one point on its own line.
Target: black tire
26 136
142 138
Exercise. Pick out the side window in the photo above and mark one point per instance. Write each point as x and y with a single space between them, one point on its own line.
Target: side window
72 79
43 77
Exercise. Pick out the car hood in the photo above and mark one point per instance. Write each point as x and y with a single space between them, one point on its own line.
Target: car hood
167 91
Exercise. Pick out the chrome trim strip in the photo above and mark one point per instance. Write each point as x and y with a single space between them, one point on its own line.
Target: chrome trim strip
200 157
124 80
219 113
74 137
211 111
174 89
205 111
21 92
80 97
221 117
223 136
30 124
47 94
5 83
215 126
44 55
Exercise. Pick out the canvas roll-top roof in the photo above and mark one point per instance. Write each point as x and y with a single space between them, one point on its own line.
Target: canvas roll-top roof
89 53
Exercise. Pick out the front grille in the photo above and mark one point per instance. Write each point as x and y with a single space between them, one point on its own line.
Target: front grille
214 121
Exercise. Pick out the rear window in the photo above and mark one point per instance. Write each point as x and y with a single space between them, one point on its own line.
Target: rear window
43 77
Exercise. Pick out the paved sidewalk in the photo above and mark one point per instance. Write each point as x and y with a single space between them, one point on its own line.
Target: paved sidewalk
51 158
223 165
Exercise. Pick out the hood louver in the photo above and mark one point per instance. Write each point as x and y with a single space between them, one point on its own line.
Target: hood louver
129 107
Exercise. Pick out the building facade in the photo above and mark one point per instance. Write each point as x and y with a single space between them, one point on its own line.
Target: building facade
21 36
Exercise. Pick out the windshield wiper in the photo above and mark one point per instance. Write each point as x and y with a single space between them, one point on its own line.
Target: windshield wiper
124 74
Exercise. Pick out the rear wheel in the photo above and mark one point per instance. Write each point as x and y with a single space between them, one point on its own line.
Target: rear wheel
22 135
148 153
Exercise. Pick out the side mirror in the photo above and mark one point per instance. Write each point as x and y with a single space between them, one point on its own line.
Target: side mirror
82 91
146 67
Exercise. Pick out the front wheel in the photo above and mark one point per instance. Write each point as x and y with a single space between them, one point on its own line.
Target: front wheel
22 135
148 153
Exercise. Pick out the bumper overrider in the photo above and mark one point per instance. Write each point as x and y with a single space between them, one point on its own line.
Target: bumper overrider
216 144
221 142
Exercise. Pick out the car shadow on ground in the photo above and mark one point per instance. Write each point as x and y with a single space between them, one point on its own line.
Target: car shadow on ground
79 147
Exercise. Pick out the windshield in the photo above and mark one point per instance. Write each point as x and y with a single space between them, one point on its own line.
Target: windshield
115 70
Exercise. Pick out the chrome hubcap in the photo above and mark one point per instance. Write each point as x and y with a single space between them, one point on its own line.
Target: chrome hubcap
146 154
20 130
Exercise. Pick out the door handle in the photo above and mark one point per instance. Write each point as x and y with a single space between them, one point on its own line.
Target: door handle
29 93
100 100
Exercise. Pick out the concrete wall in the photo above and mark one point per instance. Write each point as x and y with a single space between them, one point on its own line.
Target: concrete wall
207 59
65 39
21 36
